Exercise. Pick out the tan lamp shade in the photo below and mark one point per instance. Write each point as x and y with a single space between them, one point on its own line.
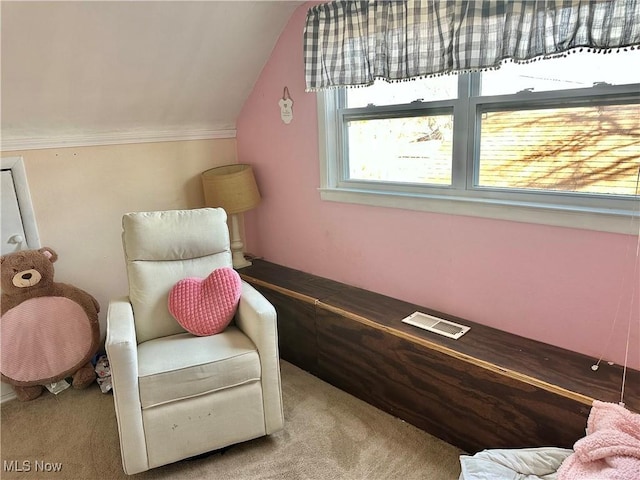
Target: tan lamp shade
232 187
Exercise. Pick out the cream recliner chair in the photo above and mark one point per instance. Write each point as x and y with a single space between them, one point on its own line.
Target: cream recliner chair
178 395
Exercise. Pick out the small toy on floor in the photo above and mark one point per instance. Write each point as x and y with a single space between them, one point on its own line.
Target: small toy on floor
104 373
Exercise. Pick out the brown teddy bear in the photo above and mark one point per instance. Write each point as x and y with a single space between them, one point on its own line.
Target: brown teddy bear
49 330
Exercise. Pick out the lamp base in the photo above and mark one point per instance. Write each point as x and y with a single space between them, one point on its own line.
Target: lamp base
237 247
239 261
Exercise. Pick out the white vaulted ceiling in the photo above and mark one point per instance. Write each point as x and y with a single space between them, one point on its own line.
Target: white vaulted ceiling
132 68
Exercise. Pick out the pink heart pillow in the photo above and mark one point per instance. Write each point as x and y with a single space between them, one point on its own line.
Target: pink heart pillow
206 306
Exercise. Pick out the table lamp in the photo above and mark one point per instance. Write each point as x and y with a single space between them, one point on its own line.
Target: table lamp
232 187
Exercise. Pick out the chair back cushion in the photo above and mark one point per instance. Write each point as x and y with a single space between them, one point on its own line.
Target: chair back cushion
162 248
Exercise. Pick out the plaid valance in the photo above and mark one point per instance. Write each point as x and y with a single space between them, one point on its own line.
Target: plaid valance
350 43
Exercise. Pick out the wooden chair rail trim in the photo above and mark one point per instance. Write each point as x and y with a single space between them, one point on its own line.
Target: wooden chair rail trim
284 291
584 399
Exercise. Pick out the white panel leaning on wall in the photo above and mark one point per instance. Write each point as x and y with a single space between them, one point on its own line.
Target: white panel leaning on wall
18 230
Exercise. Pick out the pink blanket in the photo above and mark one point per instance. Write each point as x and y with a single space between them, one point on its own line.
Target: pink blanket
611 448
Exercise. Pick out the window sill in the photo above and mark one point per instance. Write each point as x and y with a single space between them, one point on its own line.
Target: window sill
547 214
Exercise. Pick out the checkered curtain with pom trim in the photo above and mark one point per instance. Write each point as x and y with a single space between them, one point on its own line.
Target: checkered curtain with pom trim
352 43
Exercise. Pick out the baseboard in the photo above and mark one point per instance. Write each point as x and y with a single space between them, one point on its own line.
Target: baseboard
7 396
6 392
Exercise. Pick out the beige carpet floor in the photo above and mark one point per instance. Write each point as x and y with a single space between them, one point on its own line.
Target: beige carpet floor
328 435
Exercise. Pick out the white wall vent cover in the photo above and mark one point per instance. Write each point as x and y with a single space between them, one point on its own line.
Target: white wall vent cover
436 325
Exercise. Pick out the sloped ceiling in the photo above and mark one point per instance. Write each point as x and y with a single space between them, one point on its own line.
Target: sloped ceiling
91 68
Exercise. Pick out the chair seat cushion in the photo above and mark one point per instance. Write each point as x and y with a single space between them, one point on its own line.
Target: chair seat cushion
182 366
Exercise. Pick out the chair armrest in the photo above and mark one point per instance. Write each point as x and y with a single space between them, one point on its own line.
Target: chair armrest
122 352
256 317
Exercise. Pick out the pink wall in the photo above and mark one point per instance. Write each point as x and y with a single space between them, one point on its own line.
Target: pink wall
558 285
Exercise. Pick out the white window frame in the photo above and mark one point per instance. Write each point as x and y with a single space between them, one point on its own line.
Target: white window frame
462 197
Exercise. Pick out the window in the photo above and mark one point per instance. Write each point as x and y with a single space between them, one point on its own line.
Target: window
554 141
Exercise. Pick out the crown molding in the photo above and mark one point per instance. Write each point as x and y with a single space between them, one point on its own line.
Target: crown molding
9 143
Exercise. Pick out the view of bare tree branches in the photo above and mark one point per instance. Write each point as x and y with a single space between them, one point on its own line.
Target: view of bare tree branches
593 149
